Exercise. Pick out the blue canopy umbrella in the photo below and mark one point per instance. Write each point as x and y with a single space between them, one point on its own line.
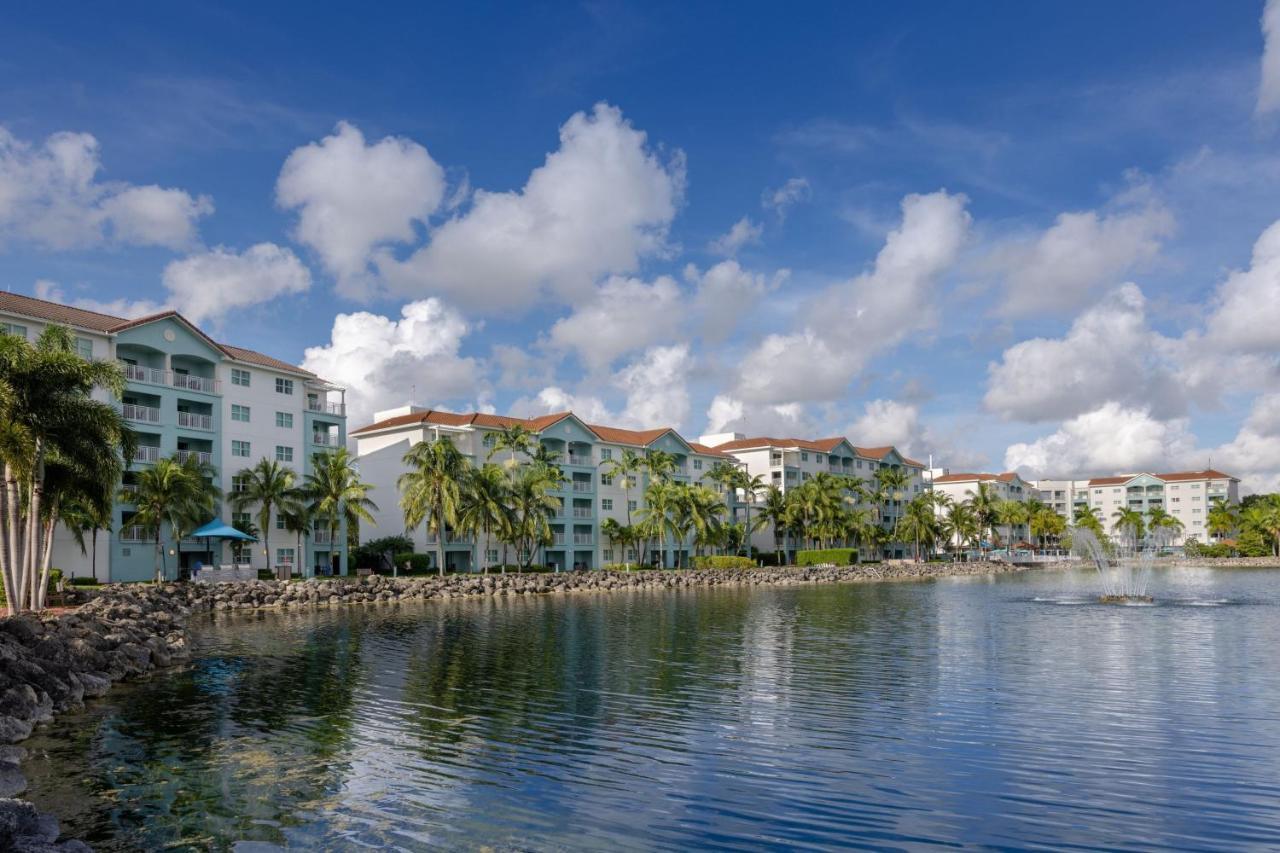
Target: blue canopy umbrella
219 529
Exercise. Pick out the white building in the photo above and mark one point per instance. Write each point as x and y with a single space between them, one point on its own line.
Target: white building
1008 486
188 395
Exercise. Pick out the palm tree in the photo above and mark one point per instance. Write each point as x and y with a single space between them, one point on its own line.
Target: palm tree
266 485
1130 520
57 444
621 535
984 502
659 514
859 527
1159 522
751 486
1044 523
531 505
515 439
702 509
1222 519
484 505
660 464
919 523
626 469
84 514
337 492
1089 518
173 494
431 490
1012 515
961 524
1262 519
298 514
775 512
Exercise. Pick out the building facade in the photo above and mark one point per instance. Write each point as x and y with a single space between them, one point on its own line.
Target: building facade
187 395
1008 486
590 495
1186 495
790 462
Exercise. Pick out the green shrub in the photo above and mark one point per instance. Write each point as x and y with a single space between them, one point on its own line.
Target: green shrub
82 581
837 556
769 558
417 562
723 562
368 555
55 577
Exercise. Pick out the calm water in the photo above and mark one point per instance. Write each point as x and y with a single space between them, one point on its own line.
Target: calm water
963 712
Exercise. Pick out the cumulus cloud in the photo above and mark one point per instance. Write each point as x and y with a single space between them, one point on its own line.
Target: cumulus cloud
50 196
1254 454
854 321
208 285
352 197
385 362
743 232
1246 307
887 422
1110 439
729 414
129 309
783 198
725 294
1064 266
553 399
1109 354
624 314
1269 86
598 205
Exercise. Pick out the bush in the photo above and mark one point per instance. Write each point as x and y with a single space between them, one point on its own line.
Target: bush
81 581
368 555
836 556
417 562
55 578
724 562
769 558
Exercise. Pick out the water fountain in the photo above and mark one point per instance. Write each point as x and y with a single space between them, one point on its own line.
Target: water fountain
1125 570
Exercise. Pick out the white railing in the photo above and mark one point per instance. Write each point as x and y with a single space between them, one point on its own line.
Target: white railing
557 539
579 459
135 533
327 407
581 512
191 420
146 453
202 456
583 539
204 384
138 373
128 493
321 537
146 414
323 439
581 486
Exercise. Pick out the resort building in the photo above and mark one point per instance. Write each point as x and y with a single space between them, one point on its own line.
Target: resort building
189 396
1185 495
590 494
1006 486
790 462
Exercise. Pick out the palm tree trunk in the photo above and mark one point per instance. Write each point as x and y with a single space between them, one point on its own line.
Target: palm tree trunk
440 541
93 560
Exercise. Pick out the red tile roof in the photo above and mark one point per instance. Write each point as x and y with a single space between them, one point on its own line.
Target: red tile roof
822 445
1207 474
1111 481
1005 477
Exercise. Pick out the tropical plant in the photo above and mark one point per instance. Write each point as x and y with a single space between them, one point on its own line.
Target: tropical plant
918 524
659 515
1222 520
484 507
1089 518
87 514
266 485
660 465
775 512
171 494
337 493
700 510
984 501
1044 523
625 469
960 525
1160 523
1130 521
1261 520
431 490
531 506
513 439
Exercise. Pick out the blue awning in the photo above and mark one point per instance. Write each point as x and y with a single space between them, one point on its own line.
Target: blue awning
218 529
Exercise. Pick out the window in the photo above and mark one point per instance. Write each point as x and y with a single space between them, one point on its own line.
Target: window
859 463
284 454
804 456
605 454
1195 498
1195 511
819 458
804 475
284 420
239 448
1097 491
280 525
240 483
239 413
697 464
1175 487
84 348
606 479
491 554
14 329
284 556
631 554
631 505
284 386
240 377
241 521
606 504
489 439
607 553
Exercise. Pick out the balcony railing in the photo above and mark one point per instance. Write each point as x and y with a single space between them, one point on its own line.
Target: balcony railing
583 539
204 384
128 493
135 533
321 537
191 420
579 458
138 373
145 414
582 485
327 407
146 453
581 512
557 539
324 439
201 456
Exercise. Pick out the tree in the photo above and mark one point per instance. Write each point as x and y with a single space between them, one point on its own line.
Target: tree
918 524
298 514
1160 522
1089 518
266 485
1044 523
700 509
1011 514
484 506
171 493
338 494
621 535
960 525
659 514
775 512
1223 519
751 486
1262 519
660 464
984 502
431 490
860 528
531 506
58 444
87 514
625 469
514 439
1130 520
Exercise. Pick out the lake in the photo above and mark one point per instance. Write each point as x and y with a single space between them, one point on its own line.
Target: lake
1002 711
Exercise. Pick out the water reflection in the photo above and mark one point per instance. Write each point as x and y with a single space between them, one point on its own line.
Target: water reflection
879 715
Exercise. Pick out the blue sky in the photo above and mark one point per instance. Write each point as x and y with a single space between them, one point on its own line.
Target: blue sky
1015 235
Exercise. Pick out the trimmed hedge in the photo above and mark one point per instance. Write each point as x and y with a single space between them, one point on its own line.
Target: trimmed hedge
83 581
417 562
724 562
835 556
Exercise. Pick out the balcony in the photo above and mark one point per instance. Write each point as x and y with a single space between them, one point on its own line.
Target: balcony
191 420
580 458
581 512
128 493
143 414
324 439
582 485
583 539
146 453
203 384
557 538
326 407
321 537
204 457
138 373
135 533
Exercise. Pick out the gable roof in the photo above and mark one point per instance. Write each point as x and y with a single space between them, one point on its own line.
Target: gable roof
882 452
1004 477
822 445
1207 474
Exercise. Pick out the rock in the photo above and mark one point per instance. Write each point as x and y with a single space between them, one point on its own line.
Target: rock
12 782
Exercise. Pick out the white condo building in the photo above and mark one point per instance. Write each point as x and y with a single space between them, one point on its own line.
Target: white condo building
1008 486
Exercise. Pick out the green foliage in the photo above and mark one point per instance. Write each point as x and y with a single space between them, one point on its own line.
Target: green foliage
55 577
417 562
83 581
838 556
727 562
368 554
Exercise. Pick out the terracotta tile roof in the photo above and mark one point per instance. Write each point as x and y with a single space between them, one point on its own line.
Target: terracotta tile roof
1207 474
709 451
1005 477
1111 481
769 441
882 452
56 312
637 437
254 357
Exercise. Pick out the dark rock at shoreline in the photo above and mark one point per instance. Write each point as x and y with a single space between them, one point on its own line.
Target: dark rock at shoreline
25 830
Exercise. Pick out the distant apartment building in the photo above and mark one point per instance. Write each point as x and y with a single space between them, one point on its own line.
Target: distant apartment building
188 395
1004 486
590 494
1186 495
790 462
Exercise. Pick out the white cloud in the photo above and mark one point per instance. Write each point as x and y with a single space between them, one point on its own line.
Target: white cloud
1110 439
1109 354
854 321
598 204
782 199
1269 86
1246 307
1064 266
726 294
743 232
656 385
728 414
553 399
50 196
209 285
1254 454
127 308
385 363
354 197
887 422
623 315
